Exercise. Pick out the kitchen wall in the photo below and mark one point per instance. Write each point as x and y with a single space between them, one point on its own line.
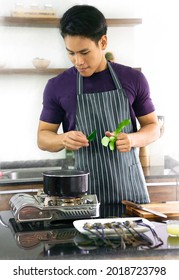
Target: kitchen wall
151 46
158 54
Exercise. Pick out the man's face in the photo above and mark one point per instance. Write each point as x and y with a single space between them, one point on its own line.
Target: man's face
87 56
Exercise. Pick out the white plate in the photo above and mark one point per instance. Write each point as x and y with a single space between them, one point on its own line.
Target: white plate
79 224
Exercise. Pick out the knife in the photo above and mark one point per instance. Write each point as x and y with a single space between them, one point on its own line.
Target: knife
138 206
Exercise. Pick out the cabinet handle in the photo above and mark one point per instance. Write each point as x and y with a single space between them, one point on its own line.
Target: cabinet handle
162 184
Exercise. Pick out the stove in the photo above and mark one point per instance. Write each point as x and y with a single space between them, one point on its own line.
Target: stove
42 207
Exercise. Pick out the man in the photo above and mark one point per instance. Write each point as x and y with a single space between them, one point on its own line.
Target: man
97 94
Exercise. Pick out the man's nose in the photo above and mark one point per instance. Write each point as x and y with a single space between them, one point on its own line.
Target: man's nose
79 60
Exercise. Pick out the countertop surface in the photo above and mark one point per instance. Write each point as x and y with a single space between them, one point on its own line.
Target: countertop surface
158 172
35 175
25 172
62 242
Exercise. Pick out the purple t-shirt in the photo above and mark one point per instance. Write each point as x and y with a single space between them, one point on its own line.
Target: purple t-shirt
59 100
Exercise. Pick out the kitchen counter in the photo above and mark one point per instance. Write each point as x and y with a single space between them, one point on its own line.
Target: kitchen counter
35 175
17 245
162 183
169 170
158 172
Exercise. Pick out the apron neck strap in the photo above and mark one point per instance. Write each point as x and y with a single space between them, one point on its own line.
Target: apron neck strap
79 83
114 77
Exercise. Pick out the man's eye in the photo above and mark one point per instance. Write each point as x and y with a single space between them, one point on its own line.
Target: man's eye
82 53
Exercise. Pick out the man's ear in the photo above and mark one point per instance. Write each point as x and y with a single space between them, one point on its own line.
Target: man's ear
103 42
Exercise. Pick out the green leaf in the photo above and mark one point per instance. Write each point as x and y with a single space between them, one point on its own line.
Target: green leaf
121 126
112 138
111 141
112 144
105 141
92 136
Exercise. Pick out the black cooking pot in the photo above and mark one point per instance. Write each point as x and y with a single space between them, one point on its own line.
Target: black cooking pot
65 183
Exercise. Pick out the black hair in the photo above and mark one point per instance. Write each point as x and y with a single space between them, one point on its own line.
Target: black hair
83 20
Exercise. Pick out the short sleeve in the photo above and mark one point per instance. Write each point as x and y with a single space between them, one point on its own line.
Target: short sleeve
51 111
143 104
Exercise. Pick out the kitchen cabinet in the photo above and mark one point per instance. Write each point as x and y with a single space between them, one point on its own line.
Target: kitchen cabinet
6 192
163 189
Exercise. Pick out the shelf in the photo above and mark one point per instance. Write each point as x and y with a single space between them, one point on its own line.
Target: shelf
112 22
31 71
54 22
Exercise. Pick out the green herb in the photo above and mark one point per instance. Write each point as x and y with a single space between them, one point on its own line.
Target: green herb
105 141
111 141
92 136
121 126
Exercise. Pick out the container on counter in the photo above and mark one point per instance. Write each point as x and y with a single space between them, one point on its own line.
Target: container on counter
173 227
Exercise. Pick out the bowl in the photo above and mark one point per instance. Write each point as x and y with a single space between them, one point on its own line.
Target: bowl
40 63
173 227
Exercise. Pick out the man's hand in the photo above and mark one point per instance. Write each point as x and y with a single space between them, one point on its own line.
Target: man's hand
74 140
123 142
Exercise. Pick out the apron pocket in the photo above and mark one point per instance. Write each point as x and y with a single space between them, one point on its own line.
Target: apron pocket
139 190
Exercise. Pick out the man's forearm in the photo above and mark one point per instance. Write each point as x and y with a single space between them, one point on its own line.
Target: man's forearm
145 135
50 141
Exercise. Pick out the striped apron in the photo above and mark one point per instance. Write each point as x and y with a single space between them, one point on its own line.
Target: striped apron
114 176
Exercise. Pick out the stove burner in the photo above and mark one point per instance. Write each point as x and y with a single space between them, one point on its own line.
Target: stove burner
70 201
58 201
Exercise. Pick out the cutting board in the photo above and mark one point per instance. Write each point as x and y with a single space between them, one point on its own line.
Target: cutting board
171 209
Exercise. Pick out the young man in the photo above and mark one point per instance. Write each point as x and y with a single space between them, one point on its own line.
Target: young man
98 94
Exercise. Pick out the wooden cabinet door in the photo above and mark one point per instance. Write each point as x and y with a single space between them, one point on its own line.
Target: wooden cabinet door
161 190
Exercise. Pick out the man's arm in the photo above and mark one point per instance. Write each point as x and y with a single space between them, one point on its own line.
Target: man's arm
49 140
149 132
